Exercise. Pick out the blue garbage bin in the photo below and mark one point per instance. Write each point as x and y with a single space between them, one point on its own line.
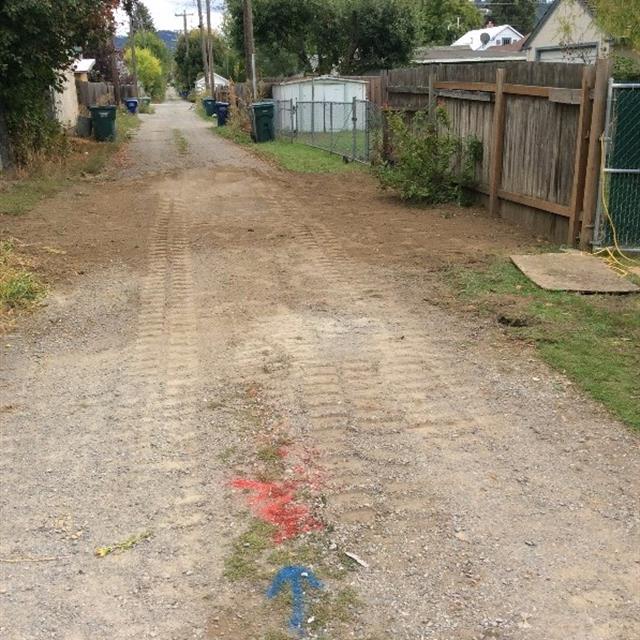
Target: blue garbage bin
223 113
131 104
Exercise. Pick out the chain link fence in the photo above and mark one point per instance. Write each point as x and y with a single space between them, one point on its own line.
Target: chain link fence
352 130
618 215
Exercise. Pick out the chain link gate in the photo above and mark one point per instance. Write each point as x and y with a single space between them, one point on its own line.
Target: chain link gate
349 129
618 214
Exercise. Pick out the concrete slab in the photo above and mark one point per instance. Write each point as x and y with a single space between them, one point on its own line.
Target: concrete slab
572 271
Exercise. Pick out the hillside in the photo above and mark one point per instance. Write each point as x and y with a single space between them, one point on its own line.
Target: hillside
170 38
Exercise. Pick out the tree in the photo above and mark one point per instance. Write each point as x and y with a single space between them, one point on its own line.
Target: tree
520 14
151 41
187 69
150 72
443 21
142 20
38 41
619 19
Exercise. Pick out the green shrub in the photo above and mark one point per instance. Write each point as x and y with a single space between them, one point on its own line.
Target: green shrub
429 163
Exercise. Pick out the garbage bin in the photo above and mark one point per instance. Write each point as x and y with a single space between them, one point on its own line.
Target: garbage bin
209 105
104 122
223 113
131 104
262 121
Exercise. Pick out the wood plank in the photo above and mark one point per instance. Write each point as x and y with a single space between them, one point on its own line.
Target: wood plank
592 182
527 90
566 96
497 142
413 90
465 86
478 96
580 164
536 203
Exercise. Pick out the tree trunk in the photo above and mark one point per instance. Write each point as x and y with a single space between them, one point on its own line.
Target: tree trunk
134 61
6 153
249 47
212 81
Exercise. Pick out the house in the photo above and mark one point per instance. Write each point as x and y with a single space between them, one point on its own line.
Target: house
448 55
567 32
82 67
219 80
482 39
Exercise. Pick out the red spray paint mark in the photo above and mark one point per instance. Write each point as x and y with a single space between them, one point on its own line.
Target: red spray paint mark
274 502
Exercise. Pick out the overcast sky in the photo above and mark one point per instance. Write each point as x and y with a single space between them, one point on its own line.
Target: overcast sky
163 13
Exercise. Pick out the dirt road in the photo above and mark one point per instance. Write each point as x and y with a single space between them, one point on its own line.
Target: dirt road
227 344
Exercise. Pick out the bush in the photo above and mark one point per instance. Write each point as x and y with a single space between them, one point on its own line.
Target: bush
428 163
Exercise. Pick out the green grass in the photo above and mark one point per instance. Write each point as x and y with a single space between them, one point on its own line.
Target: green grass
19 196
247 549
594 339
292 156
180 142
18 286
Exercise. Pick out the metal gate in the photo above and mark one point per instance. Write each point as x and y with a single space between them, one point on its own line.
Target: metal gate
618 215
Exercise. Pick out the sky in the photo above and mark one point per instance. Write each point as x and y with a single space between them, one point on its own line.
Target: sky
163 14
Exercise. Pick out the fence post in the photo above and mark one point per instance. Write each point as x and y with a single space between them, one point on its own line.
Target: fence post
580 163
432 98
291 115
331 125
313 121
592 181
354 118
497 143
367 125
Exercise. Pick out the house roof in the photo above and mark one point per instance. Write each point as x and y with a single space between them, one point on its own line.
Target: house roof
84 65
472 38
321 79
547 14
433 55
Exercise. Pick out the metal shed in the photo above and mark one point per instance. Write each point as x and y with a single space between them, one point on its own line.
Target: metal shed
326 103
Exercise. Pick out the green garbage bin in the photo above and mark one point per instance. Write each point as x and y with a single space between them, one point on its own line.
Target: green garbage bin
262 121
103 120
209 105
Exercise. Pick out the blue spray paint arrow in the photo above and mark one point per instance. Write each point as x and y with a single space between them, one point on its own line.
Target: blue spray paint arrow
296 576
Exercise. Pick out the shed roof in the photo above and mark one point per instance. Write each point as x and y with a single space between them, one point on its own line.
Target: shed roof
321 79
84 65
431 55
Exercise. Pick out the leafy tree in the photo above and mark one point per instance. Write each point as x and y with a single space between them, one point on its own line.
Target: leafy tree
520 14
151 41
189 68
142 20
150 72
443 21
619 19
38 41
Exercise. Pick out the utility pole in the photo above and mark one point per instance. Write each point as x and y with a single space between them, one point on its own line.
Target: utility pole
249 48
205 64
212 81
187 59
134 61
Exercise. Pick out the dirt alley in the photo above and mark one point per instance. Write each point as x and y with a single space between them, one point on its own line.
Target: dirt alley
205 303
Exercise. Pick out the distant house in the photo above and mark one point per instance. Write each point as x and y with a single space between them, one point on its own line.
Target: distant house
482 39
567 32
219 80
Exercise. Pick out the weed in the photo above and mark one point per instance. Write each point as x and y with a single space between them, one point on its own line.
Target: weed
18 286
334 607
125 545
247 550
594 340
180 142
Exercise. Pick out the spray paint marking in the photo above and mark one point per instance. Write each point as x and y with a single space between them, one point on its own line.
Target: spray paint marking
274 502
296 577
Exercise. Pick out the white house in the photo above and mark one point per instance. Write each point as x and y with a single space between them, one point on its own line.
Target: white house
219 80
481 39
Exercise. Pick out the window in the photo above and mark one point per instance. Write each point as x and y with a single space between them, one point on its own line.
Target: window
506 40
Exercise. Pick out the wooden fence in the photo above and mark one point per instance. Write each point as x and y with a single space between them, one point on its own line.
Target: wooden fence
101 93
540 125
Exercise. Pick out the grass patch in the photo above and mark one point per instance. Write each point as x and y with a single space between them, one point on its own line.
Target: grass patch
19 287
594 339
180 142
292 156
340 606
87 157
243 562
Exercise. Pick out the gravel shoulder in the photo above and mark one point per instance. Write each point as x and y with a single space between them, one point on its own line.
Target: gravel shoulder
205 305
